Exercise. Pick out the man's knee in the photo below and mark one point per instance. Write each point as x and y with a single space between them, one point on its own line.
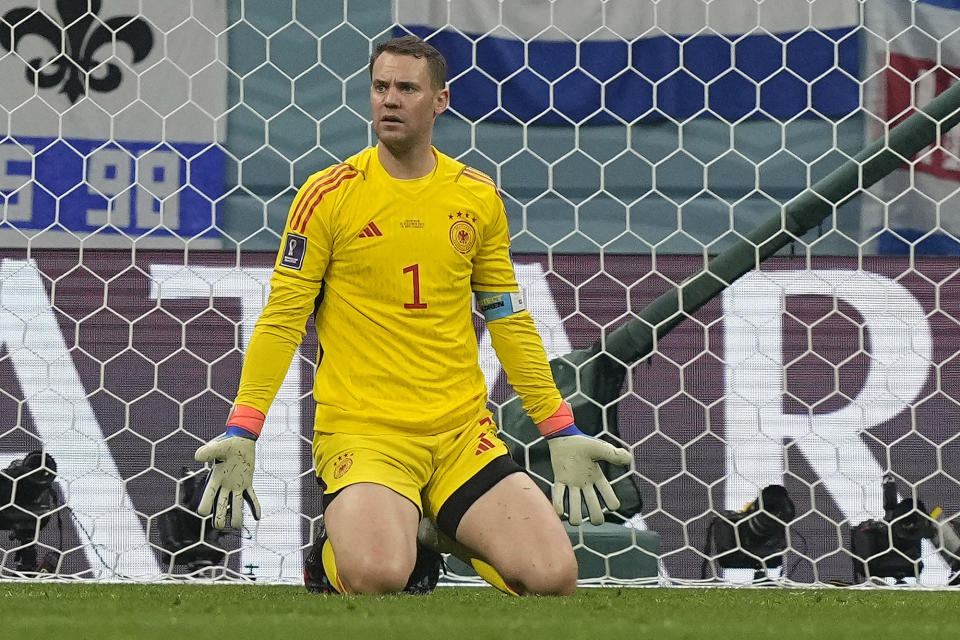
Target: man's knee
378 556
514 528
552 575
374 573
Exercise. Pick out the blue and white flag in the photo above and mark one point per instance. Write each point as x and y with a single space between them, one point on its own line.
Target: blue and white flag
596 61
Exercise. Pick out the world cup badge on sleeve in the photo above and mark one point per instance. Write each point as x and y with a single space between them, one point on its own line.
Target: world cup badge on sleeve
294 248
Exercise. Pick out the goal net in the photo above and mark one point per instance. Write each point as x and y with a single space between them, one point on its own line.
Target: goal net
800 426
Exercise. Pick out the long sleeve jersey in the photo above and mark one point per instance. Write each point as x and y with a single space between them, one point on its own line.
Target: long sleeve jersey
388 266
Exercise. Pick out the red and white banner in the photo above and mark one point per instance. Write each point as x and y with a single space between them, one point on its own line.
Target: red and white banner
910 59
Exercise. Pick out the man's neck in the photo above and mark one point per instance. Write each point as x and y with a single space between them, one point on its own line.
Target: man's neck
407 164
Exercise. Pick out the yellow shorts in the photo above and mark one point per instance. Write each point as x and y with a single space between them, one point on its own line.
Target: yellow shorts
441 474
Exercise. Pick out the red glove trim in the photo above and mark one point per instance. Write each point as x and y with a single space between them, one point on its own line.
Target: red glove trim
246 417
560 420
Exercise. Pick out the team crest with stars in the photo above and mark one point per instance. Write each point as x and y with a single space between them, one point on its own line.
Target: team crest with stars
342 464
463 235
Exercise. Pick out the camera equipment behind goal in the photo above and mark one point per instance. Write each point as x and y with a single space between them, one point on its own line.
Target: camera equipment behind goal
891 548
186 538
754 538
29 497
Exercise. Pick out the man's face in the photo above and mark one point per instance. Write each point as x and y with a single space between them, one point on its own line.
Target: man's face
403 101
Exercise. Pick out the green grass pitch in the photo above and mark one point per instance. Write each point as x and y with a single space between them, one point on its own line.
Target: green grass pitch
234 612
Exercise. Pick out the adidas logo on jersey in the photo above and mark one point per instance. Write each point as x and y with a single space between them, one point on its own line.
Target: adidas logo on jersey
483 445
370 231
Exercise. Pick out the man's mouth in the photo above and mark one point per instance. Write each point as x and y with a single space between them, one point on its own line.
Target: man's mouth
390 119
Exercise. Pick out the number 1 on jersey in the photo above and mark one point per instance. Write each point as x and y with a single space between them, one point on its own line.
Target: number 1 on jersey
416 304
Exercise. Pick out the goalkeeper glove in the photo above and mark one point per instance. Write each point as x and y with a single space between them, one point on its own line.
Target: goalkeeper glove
230 482
574 457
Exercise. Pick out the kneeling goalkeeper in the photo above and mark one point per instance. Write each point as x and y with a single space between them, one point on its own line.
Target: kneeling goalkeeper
385 250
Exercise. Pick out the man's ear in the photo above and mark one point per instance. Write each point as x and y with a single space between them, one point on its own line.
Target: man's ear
441 102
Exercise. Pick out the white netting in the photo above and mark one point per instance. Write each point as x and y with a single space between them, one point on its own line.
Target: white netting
150 151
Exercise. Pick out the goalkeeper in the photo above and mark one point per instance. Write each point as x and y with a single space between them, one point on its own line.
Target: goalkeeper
384 250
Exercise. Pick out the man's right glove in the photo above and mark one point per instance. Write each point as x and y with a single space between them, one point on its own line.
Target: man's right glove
574 456
230 482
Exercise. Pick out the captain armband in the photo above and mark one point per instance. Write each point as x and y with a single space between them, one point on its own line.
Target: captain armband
495 306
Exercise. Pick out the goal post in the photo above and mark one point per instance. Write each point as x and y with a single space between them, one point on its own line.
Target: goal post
735 222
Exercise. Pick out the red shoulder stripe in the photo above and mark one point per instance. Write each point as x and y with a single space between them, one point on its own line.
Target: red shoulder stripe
479 177
473 174
317 184
332 187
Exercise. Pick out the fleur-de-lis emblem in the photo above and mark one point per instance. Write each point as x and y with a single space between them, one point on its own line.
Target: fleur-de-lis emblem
77 40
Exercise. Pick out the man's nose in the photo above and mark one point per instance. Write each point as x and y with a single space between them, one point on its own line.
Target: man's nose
391 97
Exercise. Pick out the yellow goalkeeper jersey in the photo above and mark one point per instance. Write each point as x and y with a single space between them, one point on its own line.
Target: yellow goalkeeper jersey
397 261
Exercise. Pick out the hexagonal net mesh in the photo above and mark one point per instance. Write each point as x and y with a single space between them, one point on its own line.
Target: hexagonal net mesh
150 152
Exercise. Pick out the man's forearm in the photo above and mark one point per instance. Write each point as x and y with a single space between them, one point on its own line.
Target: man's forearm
521 352
265 366
279 331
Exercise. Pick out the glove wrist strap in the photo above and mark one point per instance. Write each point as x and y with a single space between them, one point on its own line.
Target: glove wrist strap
572 430
561 419
240 432
248 419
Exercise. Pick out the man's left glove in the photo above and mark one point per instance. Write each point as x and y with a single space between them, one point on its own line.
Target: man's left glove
230 482
574 456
